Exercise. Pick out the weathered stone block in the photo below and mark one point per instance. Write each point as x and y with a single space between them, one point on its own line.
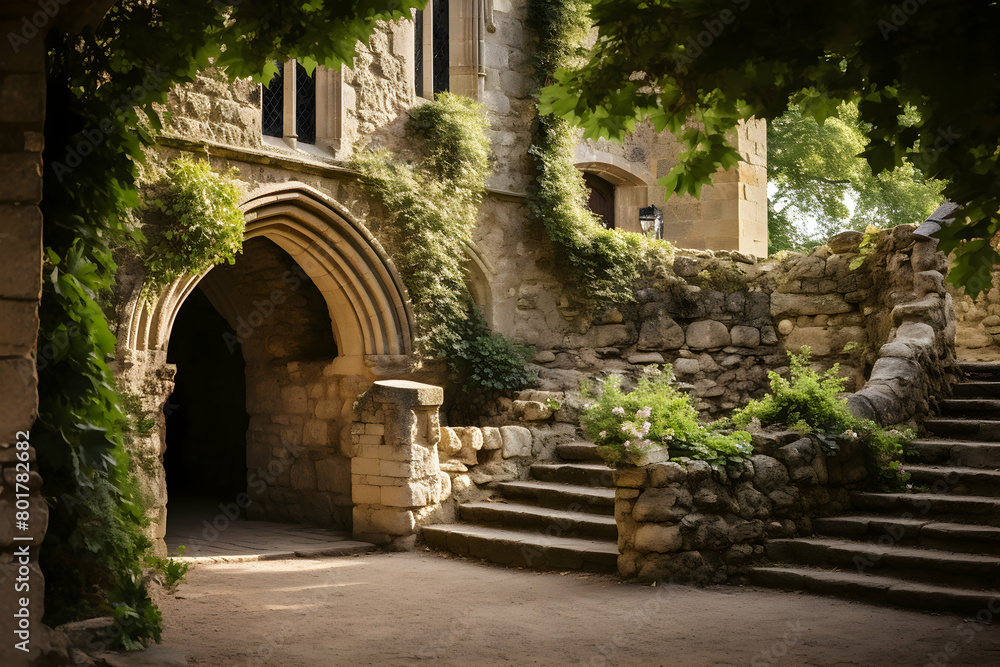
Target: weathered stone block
413 494
645 358
365 466
491 438
665 474
532 410
314 433
661 333
365 494
743 336
392 521
817 338
666 504
653 537
295 400
707 334
808 304
449 444
769 474
516 441
845 242
634 478
21 234
686 367
18 409
303 475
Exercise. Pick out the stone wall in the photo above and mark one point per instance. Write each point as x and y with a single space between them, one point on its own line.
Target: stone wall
22 115
724 319
686 521
910 322
396 477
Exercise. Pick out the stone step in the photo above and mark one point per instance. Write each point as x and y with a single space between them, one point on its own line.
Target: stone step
980 370
578 451
913 563
573 497
918 531
983 510
976 390
524 549
955 479
966 453
875 589
971 408
558 523
586 474
980 430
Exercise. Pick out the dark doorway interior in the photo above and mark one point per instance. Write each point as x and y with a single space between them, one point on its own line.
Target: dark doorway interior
601 199
206 417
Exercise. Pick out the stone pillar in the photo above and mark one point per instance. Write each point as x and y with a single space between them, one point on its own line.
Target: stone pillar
22 115
396 478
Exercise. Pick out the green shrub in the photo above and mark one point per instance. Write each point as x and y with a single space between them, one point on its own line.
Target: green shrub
196 221
812 404
653 415
807 396
487 360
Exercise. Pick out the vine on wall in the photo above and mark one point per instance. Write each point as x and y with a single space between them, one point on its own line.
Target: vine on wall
606 262
192 219
434 204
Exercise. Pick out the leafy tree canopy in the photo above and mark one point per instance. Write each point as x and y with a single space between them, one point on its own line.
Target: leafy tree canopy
816 180
699 67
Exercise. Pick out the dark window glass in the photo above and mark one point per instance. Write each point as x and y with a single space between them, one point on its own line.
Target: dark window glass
272 105
305 105
602 199
418 54
441 51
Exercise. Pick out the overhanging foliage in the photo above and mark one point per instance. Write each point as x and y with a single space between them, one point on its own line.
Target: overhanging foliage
699 67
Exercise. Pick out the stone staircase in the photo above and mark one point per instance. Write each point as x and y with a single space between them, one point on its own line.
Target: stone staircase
936 550
561 519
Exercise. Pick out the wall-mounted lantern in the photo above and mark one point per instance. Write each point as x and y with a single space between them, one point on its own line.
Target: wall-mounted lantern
651 220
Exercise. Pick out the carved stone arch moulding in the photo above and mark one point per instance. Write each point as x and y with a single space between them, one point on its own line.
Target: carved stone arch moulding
364 294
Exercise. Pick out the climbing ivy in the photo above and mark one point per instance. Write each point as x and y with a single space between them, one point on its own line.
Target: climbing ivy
192 219
434 203
605 262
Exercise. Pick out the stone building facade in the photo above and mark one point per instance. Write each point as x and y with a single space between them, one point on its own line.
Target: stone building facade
314 301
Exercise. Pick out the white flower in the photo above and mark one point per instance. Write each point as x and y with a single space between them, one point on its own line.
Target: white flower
618 411
602 434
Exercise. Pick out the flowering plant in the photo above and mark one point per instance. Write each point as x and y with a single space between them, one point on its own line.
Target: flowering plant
653 415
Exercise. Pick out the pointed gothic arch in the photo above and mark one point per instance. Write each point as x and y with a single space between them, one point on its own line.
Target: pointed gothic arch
364 294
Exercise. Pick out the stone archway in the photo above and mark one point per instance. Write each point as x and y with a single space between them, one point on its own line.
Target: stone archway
298 441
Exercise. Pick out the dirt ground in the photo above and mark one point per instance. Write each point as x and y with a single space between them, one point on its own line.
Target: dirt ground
427 609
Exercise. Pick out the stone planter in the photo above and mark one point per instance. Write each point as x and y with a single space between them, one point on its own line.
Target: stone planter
659 455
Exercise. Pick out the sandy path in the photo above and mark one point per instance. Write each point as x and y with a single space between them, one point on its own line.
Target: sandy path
425 609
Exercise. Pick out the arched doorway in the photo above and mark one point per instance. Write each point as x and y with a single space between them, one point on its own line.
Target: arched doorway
318 312
206 419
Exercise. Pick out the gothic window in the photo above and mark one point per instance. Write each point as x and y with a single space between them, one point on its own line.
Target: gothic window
272 106
441 46
601 199
305 105
288 104
449 46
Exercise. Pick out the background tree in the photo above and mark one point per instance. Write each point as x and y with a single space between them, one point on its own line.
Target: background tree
717 62
819 186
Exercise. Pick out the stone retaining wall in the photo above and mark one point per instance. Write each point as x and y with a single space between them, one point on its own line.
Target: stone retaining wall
690 522
724 319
